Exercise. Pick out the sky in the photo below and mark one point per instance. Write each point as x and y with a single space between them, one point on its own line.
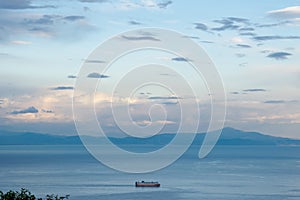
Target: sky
254 46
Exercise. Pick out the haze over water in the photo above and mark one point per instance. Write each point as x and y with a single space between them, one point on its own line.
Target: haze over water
229 172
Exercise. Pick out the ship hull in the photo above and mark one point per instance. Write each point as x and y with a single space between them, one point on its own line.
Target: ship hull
147 184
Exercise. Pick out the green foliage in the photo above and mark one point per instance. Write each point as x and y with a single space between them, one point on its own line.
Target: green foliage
12 195
24 194
56 197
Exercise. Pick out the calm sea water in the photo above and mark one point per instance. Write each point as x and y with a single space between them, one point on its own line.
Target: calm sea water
228 173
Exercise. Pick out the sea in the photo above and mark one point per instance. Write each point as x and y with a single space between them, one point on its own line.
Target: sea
227 173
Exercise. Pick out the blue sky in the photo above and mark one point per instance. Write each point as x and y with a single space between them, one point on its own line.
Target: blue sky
254 45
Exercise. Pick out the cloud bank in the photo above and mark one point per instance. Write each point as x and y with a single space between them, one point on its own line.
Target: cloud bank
288 12
20 4
97 75
63 88
255 90
279 55
25 111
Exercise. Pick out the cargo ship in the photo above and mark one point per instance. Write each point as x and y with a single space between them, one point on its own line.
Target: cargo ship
146 184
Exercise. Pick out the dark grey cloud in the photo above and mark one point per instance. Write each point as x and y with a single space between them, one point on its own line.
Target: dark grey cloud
279 55
86 9
240 55
201 26
206 42
15 25
180 59
133 22
51 19
170 103
21 4
275 37
4 54
273 24
93 1
47 111
72 76
239 20
139 38
226 27
63 88
43 20
234 93
248 34
255 90
274 101
40 29
74 18
94 61
15 4
247 29
230 23
97 75
164 98
191 37
164 4
265 51
243 45
27 110
280 101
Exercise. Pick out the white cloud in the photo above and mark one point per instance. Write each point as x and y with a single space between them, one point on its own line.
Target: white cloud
149 4
158 122
21 42
237 40
288 12
59 102
24 24
295 21
253 111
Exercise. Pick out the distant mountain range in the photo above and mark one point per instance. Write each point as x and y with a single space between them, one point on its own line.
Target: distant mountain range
229 136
